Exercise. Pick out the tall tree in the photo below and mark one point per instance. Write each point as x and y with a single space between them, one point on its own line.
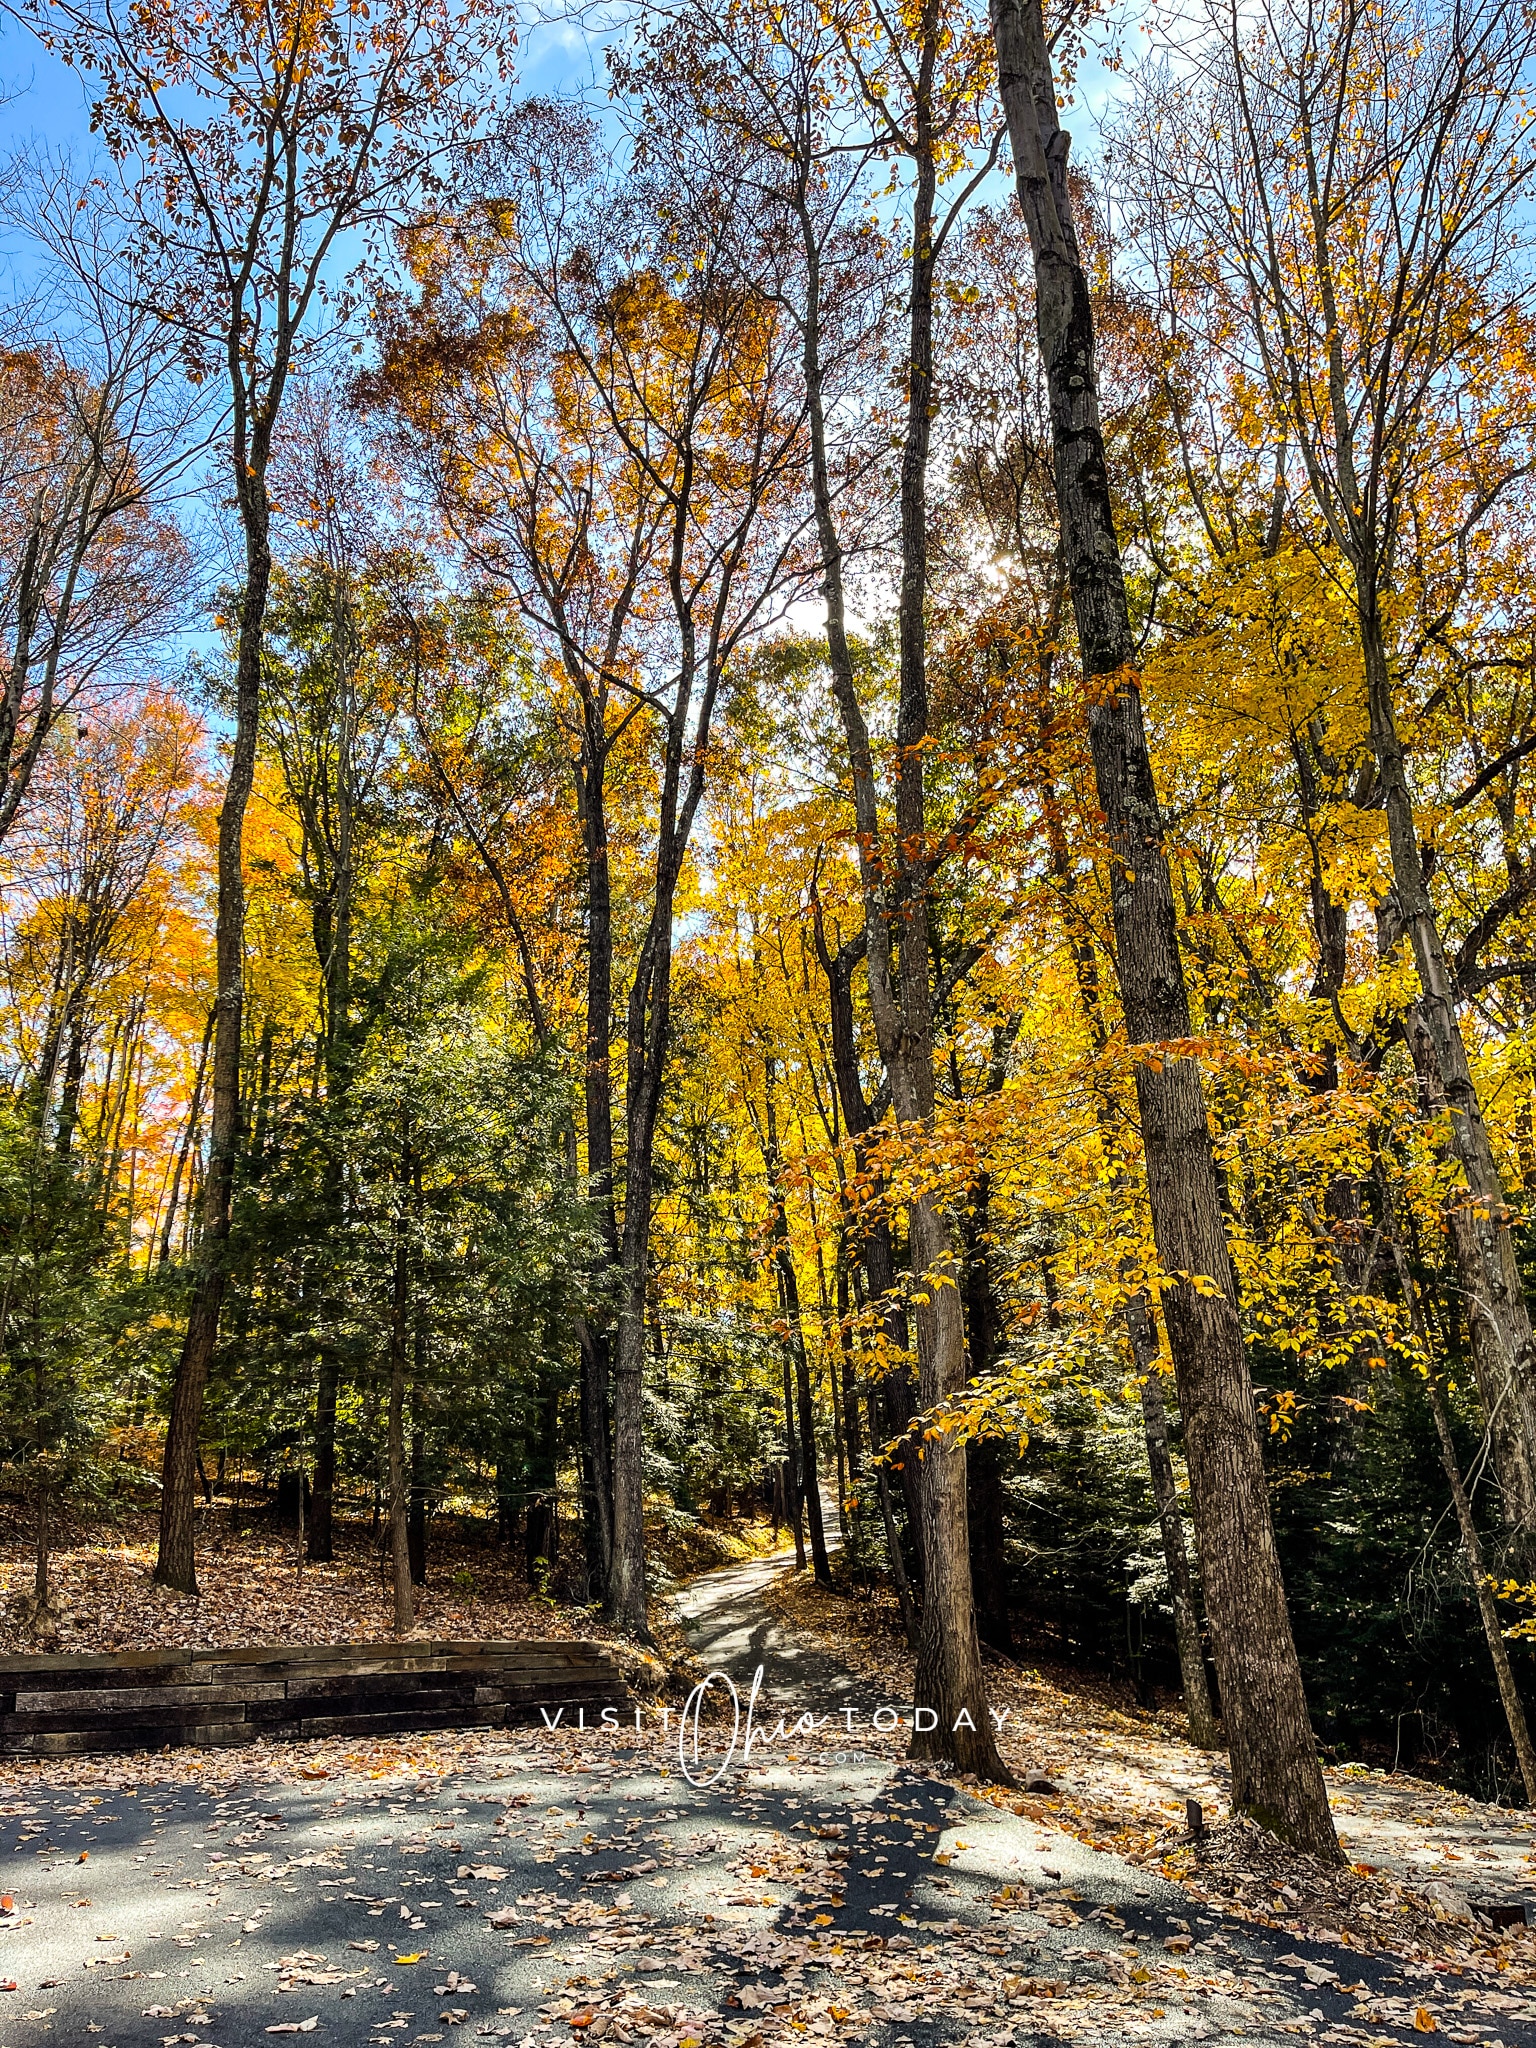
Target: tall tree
247 146
1275 1771
596 387
907 86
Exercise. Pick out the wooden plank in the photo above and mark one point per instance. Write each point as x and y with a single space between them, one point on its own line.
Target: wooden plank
112 1717
113 1679
63 1704
97 1703
385 1724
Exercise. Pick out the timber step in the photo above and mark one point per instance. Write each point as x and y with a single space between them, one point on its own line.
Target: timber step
153 1699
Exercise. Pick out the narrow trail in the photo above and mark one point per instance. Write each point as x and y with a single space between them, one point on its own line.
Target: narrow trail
731 1628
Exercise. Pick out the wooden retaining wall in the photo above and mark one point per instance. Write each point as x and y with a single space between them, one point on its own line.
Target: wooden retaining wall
148 1699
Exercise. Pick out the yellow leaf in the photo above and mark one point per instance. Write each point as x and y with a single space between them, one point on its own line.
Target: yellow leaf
1424 2021
411 1959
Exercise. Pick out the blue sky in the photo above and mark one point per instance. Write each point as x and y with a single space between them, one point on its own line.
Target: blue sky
47 102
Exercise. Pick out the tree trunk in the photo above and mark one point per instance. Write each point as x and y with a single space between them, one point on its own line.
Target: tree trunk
322 1498
852 1436
789 1301
988 1535
1498 1649
948 1682
189 1141
794 1488
626 1568
596 1454
175 1564
416 1517
1276 1776
597 1348
1481 1228
399 1537
1204 1732
948 1678
544 1480
1479 1241
898 1562
875 1251
810 1477
40 1559
399 1344
983 1456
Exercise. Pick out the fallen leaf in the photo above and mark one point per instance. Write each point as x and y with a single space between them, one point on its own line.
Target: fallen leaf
1424 2021
296 2026
411 1959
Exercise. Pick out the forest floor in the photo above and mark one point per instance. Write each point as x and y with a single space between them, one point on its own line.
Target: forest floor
254 1589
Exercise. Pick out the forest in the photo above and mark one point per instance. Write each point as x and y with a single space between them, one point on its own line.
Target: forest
791 788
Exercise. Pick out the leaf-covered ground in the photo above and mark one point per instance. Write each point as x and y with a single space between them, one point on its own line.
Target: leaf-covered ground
548 1887
252 1590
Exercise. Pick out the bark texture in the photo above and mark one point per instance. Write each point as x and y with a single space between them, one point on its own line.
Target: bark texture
399 1535
1471 1544
789 1302
1479 1241
1276 1776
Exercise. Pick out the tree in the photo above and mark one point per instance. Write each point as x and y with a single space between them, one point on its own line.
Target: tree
92 435
596 386
247 147
330 704
1275 1771
111 815
53 1394
1339 207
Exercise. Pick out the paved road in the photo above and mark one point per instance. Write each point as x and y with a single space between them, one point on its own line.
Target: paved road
799 1898
729 1628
